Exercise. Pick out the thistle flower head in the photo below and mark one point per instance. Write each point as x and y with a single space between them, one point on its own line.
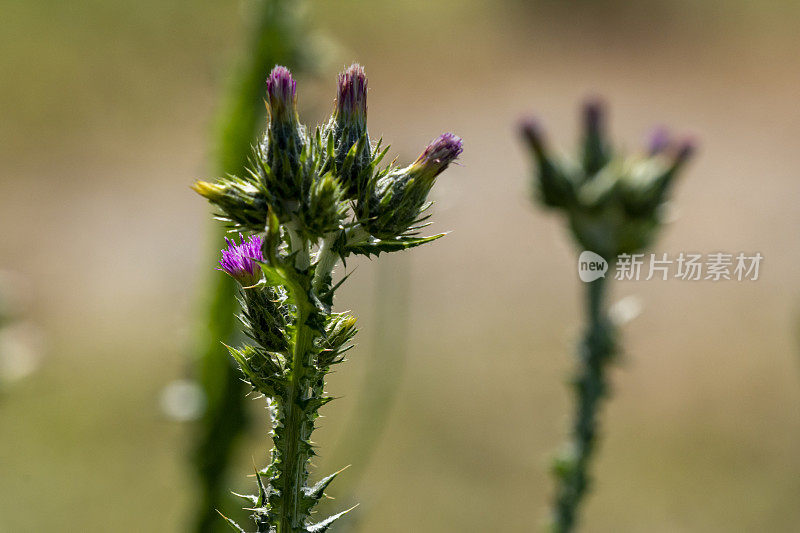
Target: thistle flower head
240 260
351 97
282 94
441 151
611 200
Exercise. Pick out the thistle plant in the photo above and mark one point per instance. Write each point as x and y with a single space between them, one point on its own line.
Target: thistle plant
613 204
310 199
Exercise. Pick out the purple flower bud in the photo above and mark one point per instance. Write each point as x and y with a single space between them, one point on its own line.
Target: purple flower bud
593 112
531 131
595 151
686 150
281 94
442 151
683 151
239 260
659 141
351 98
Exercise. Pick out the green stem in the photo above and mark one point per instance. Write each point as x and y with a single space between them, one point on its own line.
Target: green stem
591 386
326 261
299 246
293 439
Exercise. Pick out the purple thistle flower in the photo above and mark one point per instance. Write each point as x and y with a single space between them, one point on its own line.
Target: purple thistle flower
351 98
442 151
239 260
281 93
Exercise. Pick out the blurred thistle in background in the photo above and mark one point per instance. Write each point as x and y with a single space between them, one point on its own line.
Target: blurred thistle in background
614 205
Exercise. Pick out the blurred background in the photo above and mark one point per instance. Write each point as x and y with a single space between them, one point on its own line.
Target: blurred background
106 121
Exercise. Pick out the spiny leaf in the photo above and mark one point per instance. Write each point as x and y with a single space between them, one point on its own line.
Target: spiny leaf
323 526
376 246
262 491
231 523
316 491
249 497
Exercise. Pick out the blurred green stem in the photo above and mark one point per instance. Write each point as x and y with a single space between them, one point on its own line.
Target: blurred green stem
275 38
596 350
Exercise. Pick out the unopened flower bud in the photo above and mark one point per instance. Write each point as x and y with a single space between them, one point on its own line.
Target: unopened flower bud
531 131
437 156
658 142
284 141
555 188
663 181
686 150
351 98
349 129
282 95
399 197
595 152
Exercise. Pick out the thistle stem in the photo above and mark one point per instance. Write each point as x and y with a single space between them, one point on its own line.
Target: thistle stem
294 461
300 246
596 350
326 261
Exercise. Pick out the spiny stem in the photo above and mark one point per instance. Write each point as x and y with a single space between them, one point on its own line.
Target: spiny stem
326 261
293 471
300 246
596 351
